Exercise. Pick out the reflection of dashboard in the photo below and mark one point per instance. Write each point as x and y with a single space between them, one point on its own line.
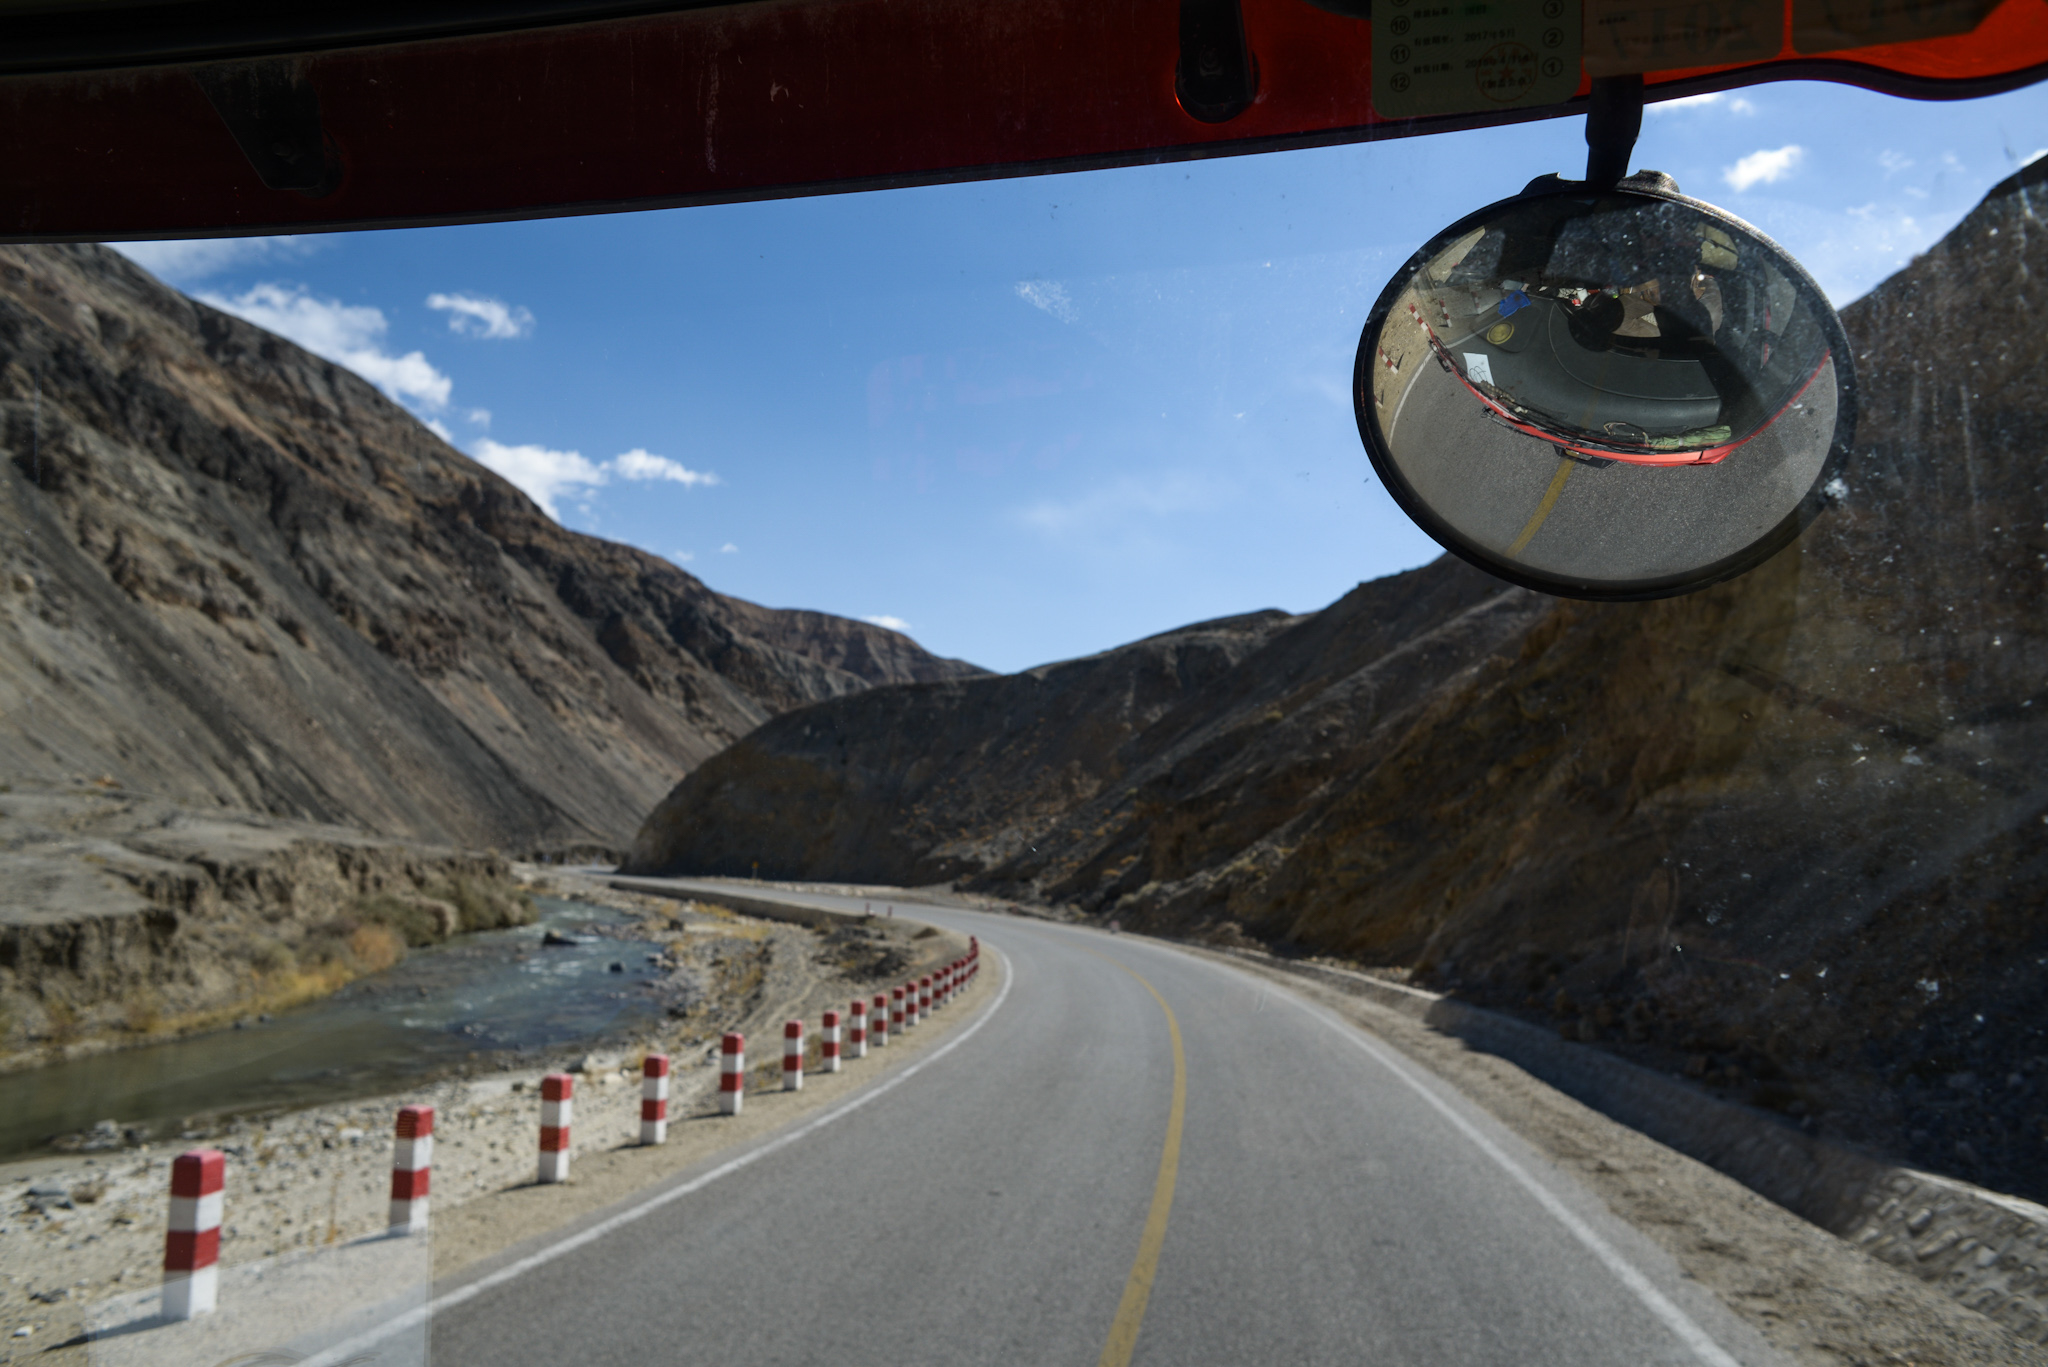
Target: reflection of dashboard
1620 393
1638 404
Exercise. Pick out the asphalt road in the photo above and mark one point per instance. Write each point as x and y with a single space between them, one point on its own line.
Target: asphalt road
1619 522
1055 1187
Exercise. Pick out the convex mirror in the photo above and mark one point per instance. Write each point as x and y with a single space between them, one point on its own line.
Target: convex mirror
1616 394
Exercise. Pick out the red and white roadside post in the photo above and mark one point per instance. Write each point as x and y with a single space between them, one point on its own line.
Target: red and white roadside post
192 1239
857 1031
732 1072
910 1012
654 1099
896 1022
945 987
828 1044
412 1168
792 1056
924 997
878 1020
557 1100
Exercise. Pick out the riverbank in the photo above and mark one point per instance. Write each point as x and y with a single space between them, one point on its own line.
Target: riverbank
125 919
78 1230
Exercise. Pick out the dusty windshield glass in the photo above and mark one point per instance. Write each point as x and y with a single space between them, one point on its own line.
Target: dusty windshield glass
883 773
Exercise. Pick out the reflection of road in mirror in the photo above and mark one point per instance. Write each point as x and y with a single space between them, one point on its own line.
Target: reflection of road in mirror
1613 394
1516 496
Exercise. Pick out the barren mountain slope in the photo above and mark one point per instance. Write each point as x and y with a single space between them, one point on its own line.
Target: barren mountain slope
1789 835
235 574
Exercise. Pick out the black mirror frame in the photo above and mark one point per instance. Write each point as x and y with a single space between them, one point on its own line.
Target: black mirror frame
1647 185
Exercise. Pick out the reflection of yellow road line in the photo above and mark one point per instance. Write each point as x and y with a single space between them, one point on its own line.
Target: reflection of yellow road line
1130 1311
1564 472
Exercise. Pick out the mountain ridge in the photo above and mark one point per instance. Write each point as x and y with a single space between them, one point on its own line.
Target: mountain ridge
243 577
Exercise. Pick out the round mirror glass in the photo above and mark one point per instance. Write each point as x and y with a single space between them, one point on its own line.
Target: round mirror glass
1626 394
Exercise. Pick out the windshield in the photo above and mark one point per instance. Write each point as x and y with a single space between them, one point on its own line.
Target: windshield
891 772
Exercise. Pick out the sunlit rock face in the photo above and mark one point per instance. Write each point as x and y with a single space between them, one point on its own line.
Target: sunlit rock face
1789 835
235 575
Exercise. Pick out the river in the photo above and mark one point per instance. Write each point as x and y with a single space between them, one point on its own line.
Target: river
491 996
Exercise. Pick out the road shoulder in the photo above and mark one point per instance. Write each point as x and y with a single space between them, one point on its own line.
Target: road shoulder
1813 1297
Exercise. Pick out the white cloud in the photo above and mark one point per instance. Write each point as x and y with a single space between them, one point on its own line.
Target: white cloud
477 316
440 429
1734 105
540 473
728 549
197 258
1113 505
885 620
682 557
1852 249
1765 167
1893 162
546 475
481 417
347 334
640 464
1049 295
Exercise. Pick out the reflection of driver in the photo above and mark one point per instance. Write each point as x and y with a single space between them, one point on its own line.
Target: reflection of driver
1635 331
1643 308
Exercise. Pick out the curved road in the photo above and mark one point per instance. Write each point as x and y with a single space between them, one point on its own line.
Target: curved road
1018 1200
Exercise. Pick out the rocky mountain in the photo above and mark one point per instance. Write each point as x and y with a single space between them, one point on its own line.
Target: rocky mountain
1788 835
235 575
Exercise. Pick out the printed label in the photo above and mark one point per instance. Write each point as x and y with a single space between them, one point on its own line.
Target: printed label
1432 57
1624 36
1832 25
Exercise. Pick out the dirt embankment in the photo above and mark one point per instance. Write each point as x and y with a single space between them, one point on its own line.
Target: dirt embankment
124 919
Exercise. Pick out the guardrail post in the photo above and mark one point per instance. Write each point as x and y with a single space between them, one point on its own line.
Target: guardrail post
793 1056
557 1100
732 1072
192 1237
828 1046
654 1099
857 1032
412 1164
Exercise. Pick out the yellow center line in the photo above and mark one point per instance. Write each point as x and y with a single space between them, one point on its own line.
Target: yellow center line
1564 472
1130 1311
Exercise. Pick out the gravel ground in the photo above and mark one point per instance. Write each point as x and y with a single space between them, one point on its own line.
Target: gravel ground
79 1229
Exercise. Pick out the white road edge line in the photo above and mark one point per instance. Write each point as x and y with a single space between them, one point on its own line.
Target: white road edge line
340 1352
1676 1320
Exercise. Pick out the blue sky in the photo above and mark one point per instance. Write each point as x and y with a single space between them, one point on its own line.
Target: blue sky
1030 419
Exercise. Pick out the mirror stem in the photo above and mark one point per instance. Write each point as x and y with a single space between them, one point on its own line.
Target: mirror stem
1614 116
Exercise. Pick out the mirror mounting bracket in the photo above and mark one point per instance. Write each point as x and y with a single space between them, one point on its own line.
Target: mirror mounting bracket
1614 117
1217 77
